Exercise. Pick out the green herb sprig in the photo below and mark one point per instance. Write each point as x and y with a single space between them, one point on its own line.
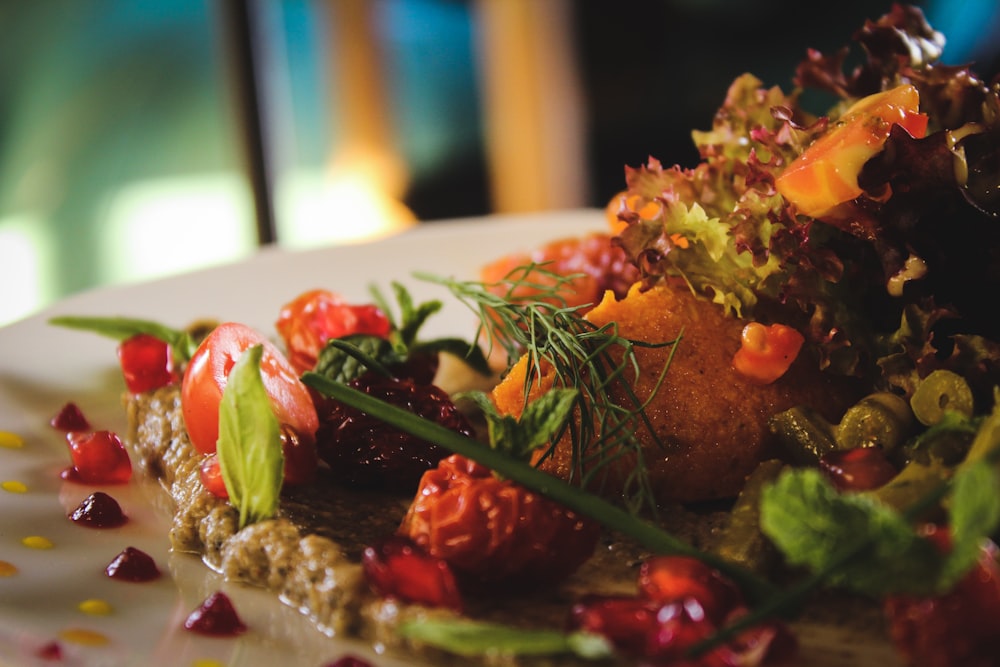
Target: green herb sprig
560 491
525 313
181 342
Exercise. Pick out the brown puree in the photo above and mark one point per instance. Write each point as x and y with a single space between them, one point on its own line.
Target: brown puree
309 556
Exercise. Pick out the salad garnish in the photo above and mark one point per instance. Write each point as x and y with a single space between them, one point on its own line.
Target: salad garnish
596 361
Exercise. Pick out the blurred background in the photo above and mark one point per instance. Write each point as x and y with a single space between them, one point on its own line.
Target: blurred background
141 138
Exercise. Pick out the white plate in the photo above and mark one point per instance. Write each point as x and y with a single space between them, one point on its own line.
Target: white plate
43 367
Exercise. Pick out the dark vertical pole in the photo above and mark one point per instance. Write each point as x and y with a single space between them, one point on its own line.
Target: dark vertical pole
242 25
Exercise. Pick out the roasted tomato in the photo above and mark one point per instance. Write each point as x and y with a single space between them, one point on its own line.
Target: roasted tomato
766 352
826 173
208 371
316 316
594 262
493 532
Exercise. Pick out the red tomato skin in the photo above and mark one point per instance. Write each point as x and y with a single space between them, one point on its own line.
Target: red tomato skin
308 321
208 372
211 476
767 352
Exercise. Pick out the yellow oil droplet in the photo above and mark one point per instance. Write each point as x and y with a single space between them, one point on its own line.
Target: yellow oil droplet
7 569
95 607
84 637
206 662
13 486
37 542
11 440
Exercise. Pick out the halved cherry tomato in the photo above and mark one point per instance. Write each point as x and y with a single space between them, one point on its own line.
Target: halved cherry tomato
767 352
826 174
316 316
208 372
210 474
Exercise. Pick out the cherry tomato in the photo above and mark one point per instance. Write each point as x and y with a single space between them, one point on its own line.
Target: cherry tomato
146 363
211 476
208 371
826 173
767 352
311 319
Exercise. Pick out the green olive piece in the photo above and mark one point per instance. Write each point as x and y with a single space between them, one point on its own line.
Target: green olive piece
882 419
804 434
941 391
741 540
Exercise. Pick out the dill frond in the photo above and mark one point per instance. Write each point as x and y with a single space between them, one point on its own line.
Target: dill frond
526 314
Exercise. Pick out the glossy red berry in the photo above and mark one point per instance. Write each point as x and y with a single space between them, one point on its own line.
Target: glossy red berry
399 568
70 418
366 452
682 578
146 363
858 469
961 627
628 623
99 457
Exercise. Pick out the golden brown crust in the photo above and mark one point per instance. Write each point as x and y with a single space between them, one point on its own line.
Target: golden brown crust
711 421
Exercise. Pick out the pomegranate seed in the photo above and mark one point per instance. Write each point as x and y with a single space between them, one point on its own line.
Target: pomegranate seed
146 363
858 469
679 627
956 628
680 578
627 622
99 457
397 567
70 418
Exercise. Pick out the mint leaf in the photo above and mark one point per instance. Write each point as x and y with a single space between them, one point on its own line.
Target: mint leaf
974 512
344 359
538 423
405 332
123 328
476 638
860 543
249 446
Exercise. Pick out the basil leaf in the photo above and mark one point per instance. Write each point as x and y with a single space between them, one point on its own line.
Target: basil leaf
477 638
249 446
123 328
